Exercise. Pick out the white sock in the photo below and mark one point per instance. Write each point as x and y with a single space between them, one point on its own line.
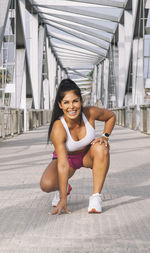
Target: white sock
96 194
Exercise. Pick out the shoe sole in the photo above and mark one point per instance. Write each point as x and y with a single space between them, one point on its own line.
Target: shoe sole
93 210
68 192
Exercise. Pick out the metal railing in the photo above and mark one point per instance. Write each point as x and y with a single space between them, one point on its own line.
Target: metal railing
134 117
12 120
37 118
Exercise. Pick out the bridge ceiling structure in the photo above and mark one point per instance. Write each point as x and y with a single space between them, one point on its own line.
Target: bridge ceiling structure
103 45
80 32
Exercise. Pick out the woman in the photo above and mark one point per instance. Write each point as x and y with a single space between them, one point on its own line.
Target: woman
72 132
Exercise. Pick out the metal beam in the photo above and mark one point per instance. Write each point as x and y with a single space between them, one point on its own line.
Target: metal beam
75 63
80 11
112 3
76 59
4 9
83 68
78 44
34 57
88 22
61 54
147 4
82 36
71 52
72 48
77 73
106 36
84 82
40 61
20 65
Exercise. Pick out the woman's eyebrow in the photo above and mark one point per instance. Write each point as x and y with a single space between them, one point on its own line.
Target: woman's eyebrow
65 100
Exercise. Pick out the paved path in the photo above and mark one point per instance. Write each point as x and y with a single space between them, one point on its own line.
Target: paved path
124 225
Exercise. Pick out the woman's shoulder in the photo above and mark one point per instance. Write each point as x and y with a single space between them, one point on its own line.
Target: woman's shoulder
58 129
91 111
58 125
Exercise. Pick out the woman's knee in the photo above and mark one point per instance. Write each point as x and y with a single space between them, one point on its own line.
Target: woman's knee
48 181
45 185
100 150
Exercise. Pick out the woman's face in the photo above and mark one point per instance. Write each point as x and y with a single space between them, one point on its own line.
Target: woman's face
71 105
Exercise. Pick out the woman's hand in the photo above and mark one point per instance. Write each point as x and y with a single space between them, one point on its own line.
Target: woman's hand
62 205
101 140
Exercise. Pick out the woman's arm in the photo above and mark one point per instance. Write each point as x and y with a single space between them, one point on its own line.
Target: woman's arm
109 117
58 137
105 115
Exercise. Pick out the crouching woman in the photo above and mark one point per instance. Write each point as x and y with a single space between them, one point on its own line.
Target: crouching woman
72 132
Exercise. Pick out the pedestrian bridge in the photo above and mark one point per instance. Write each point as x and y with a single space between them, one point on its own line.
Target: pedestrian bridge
27 226
102 45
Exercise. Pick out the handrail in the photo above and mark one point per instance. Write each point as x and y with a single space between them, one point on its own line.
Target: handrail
134 117
12 120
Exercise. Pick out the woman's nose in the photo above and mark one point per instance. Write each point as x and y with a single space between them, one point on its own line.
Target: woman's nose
71 105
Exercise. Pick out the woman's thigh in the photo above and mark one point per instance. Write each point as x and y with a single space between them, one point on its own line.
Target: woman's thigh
87 160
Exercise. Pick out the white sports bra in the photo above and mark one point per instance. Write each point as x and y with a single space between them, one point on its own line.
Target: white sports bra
72 145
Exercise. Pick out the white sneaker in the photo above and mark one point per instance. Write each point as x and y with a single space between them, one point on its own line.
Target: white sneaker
56 197
95 203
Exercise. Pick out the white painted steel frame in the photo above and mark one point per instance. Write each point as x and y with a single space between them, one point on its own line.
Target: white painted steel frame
79 11
78 32
80 28
50 5
77 46
4 8
86 21
112 3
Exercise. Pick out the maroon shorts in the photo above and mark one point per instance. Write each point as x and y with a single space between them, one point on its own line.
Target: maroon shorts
75 161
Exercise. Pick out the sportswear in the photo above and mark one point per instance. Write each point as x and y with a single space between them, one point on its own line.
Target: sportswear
75 160
56 197
72 145
95 203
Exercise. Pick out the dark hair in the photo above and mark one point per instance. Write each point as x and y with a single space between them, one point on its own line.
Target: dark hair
65 85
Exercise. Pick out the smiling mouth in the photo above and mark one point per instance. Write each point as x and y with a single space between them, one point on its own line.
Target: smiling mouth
72 112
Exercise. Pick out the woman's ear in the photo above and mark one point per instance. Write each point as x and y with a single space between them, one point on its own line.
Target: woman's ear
60 106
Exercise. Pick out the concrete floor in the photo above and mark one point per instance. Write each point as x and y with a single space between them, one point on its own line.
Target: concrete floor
25 222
